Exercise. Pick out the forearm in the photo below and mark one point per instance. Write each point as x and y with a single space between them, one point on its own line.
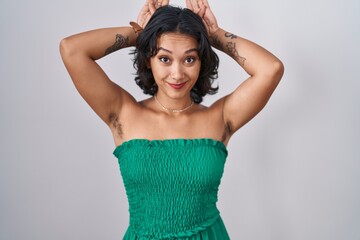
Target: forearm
100 42
251 57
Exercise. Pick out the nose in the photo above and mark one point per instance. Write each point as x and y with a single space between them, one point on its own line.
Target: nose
177 72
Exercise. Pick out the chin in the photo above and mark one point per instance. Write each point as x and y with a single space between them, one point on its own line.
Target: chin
178 95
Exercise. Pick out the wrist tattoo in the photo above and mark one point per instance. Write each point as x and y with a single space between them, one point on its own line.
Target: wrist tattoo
120 42
215 41
230 35
231 50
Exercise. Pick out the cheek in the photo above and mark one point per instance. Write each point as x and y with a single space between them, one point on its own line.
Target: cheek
159 75
195 73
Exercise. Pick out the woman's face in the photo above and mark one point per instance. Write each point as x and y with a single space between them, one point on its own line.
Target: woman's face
176 66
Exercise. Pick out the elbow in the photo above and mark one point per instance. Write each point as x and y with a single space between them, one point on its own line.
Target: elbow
272 70
280 69
276 71
66 48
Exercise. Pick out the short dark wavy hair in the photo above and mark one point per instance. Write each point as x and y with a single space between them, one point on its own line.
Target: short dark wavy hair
174 19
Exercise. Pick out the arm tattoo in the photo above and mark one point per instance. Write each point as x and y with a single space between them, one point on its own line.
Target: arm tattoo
120 42
231 50
230 35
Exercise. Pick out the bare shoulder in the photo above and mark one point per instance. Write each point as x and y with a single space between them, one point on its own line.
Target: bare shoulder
215 109
121 117
211 122
147 120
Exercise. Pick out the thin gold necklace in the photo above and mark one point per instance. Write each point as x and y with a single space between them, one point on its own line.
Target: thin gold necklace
173 110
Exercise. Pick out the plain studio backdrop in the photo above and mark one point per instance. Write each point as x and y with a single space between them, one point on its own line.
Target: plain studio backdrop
293 173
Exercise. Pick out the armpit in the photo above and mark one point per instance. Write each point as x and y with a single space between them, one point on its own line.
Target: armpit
226 133
115 124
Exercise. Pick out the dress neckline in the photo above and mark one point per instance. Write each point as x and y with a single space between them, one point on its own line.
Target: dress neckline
172 142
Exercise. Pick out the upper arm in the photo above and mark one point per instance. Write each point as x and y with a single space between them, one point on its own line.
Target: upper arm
250 97
103 95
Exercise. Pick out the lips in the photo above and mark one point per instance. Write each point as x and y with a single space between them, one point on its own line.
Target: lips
177 86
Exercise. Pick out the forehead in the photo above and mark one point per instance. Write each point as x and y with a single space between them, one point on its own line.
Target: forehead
176 41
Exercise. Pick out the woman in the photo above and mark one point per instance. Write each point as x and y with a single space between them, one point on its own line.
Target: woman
171 149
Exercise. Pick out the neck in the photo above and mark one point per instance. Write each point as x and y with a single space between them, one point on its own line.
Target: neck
174 108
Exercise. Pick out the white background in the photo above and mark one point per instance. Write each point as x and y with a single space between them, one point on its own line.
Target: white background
293 173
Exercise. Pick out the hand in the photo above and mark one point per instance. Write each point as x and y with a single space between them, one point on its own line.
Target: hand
202 8
148 10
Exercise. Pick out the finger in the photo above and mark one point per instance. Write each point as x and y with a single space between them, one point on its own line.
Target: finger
196 7
202 11
195 3
142 12
165 2
189 5
205 2
158 3
201 4
152 7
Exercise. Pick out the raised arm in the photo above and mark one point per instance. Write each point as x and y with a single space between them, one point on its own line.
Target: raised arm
264 68
265 72
80 52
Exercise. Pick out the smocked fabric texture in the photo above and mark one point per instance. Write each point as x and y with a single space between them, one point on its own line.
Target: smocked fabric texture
172 188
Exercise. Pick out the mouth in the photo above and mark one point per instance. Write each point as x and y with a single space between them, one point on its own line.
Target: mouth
177 86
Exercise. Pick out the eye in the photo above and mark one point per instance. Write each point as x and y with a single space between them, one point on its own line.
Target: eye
164 59
190 59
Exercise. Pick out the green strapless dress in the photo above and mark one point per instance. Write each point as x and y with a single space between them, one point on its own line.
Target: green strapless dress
172 188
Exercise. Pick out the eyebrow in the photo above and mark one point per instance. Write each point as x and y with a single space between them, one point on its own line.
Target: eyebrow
186 52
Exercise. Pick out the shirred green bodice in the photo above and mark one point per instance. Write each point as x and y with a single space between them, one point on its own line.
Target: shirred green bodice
171 185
